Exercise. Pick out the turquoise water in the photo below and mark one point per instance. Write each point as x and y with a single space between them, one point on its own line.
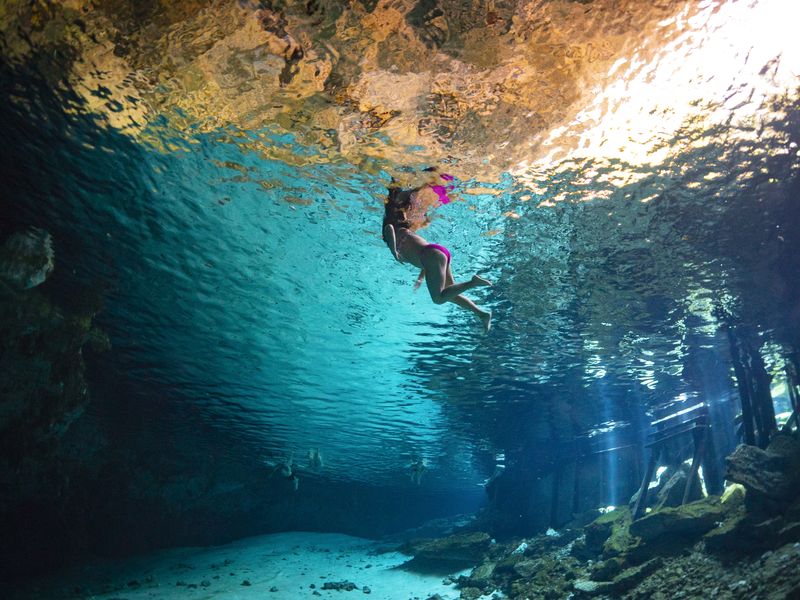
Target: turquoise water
283 324
261 293
254 312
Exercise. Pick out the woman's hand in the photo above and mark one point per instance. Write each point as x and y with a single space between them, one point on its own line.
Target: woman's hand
419 280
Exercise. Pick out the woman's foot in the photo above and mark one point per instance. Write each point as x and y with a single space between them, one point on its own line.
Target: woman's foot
477 280
486 319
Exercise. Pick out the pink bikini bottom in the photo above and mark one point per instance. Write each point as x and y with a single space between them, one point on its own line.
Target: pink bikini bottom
441 249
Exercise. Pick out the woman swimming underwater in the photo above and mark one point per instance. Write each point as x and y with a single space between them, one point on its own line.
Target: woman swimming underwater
433 260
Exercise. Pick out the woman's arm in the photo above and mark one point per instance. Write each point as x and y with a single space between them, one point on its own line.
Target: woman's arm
391 240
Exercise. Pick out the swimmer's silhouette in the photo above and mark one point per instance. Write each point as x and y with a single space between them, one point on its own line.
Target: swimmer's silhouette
417 468
403 215
287 470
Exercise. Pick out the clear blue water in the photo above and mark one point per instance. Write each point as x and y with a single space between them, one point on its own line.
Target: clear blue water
255 295
287 325
283 325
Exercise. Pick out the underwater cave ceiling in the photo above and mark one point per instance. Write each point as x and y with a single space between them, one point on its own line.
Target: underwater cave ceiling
377 84
624 170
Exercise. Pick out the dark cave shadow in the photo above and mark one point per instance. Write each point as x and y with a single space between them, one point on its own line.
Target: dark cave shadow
434 566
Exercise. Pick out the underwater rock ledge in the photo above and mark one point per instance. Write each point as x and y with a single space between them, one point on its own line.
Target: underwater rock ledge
27 258
742 544
43 393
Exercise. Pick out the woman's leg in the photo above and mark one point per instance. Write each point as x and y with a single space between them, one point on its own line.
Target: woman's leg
442 286
435 264
484 315
460 300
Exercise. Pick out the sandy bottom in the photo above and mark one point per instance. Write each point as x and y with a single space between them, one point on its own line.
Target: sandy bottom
278 566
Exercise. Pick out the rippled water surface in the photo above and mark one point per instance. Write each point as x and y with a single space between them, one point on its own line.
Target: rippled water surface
622 173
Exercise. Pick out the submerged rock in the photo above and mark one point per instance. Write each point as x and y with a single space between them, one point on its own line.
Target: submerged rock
780 569
42 372
27 258
771 477
725 535
339 586
608 530
546 576
748 534
763 509
466 547
654 557
624 543
632 576
587 586
470 593
607 537
608 569
669 489
623 582
481 576
671 493
734 493
688 521
620 541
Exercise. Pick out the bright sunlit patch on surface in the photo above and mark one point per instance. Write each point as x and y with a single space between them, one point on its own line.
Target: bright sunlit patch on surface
717 64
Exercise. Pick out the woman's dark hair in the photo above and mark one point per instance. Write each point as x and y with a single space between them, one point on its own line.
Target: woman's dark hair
394 210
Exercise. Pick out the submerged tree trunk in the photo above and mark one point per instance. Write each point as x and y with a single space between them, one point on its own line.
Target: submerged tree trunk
792 381
765 408
753 383
748 432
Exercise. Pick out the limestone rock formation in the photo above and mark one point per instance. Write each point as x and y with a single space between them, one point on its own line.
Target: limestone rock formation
621 583
671 493
43 392
771 476
765 510
686 521
665 562
463 547
42 384
27 258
